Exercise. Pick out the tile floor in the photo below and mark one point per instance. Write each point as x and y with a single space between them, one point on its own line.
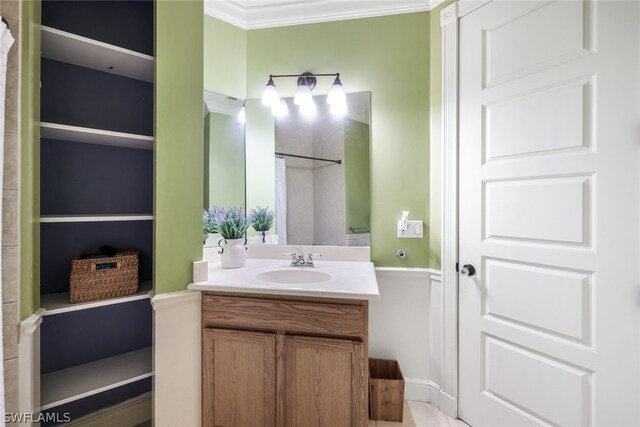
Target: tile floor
421 414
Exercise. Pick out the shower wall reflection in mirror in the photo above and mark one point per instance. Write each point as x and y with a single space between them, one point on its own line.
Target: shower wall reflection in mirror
313 172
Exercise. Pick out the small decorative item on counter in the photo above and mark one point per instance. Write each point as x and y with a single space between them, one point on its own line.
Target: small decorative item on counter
232 225
106 274
261 220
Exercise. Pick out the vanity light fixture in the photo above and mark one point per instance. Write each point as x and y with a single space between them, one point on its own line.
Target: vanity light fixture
309 108
336 98
270 96
242 114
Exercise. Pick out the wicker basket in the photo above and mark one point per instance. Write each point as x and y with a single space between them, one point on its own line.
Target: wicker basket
95 277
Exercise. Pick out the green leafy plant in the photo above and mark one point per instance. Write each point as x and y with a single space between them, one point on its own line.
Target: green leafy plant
209 224
261 219
230 223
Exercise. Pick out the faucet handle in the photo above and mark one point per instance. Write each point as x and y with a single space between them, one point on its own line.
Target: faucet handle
293 255
310 257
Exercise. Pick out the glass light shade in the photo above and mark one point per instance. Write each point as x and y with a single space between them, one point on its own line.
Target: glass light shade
282 109
242 115
303 95
339 109
309 108
336 94
270 96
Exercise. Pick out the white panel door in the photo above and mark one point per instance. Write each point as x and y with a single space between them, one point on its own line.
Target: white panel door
549 195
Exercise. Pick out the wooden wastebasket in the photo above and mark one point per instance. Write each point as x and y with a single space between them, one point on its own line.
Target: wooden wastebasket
386 390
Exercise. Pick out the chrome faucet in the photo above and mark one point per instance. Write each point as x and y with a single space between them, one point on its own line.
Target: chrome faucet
297 260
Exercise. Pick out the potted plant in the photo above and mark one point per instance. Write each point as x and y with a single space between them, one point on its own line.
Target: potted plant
232 225
261 220
208 223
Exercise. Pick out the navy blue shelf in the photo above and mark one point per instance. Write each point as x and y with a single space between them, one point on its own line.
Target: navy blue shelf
83 179
77 96
99 401
61 242
77 337
128 24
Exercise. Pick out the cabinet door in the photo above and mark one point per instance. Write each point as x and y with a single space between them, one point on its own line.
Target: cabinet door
325 383
238 384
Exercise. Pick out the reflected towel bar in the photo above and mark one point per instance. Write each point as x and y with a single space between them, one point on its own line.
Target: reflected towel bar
307 157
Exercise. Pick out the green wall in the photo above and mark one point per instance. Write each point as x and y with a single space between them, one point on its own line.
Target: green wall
225 58
30 159
435 109
388 56
225 168
357 175
179 149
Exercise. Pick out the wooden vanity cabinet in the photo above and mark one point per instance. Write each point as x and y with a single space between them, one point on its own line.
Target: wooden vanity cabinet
283 361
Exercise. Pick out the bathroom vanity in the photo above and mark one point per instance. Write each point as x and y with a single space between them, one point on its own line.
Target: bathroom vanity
286 346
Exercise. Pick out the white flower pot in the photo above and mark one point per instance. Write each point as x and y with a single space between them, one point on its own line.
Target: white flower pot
232 253
264 238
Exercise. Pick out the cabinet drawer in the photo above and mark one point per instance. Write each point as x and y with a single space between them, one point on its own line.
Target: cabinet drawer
302 317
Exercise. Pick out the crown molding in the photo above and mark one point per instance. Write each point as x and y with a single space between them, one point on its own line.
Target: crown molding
301 12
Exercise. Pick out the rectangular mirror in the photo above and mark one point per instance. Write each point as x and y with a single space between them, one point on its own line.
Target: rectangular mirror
312 172
224 157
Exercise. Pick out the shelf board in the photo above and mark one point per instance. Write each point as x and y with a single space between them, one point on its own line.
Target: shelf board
95 136
78 382
59 303
84 52
95 218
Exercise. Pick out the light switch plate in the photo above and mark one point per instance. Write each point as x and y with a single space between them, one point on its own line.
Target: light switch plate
413 230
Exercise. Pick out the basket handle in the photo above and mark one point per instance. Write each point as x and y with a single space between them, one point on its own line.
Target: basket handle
105 266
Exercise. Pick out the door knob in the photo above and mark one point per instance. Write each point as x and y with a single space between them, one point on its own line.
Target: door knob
468 270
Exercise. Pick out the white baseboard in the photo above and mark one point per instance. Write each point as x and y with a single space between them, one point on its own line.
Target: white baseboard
448 404
127 414
422 391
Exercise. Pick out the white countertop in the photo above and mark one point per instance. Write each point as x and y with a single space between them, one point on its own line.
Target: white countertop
349 280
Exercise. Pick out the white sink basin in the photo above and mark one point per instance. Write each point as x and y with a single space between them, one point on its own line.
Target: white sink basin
328 279
294 276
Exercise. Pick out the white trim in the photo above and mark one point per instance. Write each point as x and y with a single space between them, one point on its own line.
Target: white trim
85 52
60 132
126 414
422 391
29 363
448 404
449 378
309 12
95 218
174 298
467 6
226 11
176 359
59 303
405 272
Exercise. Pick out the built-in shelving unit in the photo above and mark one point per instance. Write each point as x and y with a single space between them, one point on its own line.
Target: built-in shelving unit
59 303
96 179
67 385
60 132
95 218
84 52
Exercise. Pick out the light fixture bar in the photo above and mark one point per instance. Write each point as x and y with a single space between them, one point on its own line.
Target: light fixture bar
274 76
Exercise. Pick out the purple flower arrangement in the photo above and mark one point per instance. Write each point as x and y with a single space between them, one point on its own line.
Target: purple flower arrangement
261 219
230 223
